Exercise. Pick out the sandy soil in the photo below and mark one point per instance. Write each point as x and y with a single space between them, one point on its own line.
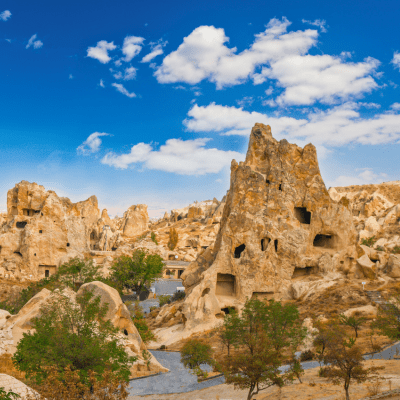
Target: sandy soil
312 388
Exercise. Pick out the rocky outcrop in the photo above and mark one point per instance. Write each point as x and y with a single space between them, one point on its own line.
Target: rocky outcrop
278 223
135 221
13 327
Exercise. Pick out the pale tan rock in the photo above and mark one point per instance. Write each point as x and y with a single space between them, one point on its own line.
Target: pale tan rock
367 266
371 225
136 221
278 221
4 316
393 266
366 311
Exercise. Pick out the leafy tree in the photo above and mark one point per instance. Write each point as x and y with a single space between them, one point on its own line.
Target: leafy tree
141 325
352 322
259 350
137 272
173 238
9 395
194 354
388 319
77 272
72 334
296 368
344 362
228 332
154 238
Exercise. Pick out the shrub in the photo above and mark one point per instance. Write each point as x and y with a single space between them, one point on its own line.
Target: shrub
196 353
380 248
164 299
307 355
369 241
141 325
173 239
178 295
396 250
154 238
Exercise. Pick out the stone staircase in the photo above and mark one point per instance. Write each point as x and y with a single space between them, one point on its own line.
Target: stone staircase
376 297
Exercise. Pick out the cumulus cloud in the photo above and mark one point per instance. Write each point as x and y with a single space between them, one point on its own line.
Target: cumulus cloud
156 50
101 84
100 52
320 23
132 47
91 144
183 157
122 90
336 126
36 44
283 58
5 15
367 176
127 75
396 60
395 106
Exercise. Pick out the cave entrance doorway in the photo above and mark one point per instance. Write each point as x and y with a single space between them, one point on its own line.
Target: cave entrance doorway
46 273
228 310
21 224
302 215
325 241
225 285
265 243
239 250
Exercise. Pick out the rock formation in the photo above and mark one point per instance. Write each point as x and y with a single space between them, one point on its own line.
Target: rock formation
278 223
13 327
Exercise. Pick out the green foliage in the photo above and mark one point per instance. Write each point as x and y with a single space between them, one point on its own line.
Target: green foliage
173 238
369 241
164 299
9 395
141 237
296 368
194 354
387 320
178 295
72 335
396 250
137 272
352 322
76 272
380 248
307 355
154 238
141 325
260 336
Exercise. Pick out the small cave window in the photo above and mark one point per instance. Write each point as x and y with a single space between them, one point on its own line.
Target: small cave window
21 224
302 215
18 253
264 243
171 257
37 211
204 247
125 332
225 285
40 231
280 186
228 310
267 181
325 241
179 217
41 214
276 244
180 272
46 273
113 248
298 272
35 254
67 244
239 250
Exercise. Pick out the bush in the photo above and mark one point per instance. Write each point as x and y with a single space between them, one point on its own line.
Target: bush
196 353
173 238
307 355
369 241
154 238
396 250
141 325
178 295
164 299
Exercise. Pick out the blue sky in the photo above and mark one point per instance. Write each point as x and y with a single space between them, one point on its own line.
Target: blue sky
148 102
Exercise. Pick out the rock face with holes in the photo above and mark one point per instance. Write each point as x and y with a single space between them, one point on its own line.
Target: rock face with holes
278 223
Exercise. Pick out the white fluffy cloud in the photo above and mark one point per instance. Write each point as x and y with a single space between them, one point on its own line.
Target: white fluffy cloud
156 51
91 144
367 176
122 90
5 15
127 75
132 47
320 23
283 58
184 157
100 52
396 60
336 126
36 44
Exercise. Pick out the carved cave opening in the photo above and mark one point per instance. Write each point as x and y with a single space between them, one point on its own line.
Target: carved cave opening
299 272
228 310
267 181
180 272
125 332
29 212
113 248
225 285
280 186
67 244
239 250
171 257
18 253
325 241
46 273
21 224
302 215
276 244
264 243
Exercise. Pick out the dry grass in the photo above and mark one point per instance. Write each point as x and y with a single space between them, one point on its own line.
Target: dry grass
7 367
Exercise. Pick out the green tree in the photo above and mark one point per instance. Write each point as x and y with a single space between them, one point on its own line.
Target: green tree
77 271
75 335
259 352
154 238
141 325
137 272
194 354
352 322
388 319
173 238
344 362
